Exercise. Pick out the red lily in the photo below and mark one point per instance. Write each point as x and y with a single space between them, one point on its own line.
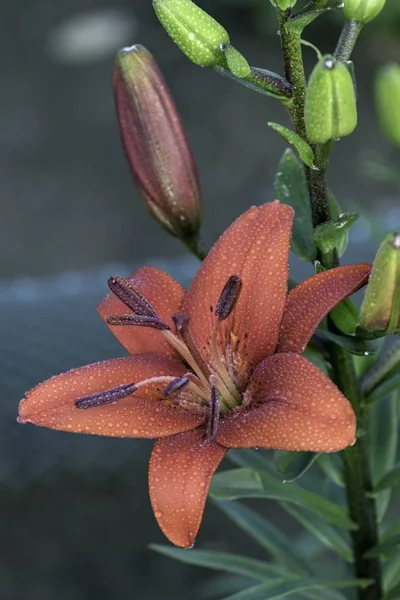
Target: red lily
216 367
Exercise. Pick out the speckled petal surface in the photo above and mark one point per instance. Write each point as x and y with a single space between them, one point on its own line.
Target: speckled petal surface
51 404
163 292
180 472
310 301
256 248
293 406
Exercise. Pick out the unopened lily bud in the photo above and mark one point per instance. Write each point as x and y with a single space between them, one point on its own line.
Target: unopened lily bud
362 10
197 34
330 106
155 143
387 99
283 4
380 309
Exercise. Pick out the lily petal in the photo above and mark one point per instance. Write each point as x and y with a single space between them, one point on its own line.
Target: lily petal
292 406
310 301
52 403
180 472
163 292
256 248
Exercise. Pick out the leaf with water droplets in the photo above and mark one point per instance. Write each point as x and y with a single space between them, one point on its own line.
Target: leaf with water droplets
305 151
291 188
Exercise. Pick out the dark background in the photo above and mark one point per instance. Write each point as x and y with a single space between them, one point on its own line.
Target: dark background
75 516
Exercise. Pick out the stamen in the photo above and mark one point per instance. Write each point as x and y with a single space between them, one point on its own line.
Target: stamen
176 385
131 297
228 297
107 397
138 320
213 417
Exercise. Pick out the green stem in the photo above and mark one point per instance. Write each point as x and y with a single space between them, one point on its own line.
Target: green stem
347 40
357 470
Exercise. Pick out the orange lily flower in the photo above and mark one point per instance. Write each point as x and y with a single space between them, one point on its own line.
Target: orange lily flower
216 367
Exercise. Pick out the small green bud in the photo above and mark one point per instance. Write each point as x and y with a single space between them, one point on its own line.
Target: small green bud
283 4
380 309
362 10
330 110
387 99
155 143
237 64
197 34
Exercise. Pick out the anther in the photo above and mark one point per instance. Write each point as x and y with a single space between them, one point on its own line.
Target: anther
228 297
176 386
138 321
213 417
130 297
107 397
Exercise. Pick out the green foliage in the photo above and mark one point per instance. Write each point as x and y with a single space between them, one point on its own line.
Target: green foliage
291 188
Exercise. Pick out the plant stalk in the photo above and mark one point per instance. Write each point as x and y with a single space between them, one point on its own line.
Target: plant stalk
357 470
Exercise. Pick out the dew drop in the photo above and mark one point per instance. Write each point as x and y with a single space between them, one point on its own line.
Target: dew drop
158 514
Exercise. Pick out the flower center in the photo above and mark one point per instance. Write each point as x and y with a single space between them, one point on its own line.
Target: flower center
208 387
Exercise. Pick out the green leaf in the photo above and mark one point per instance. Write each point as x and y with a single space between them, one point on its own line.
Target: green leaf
332 466
383 444
297 23
286 589
330 235
292 465
227 486
384 389
390 480
236 62
305 151
393 594
255 84
336 211
351 343
291 188
254 459
391 572
233 482
326 534
222 561
267 535
385 548
345 316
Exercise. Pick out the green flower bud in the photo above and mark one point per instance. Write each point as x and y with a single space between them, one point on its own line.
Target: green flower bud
330 110
380 309
155 143
196 33
283 4
387 99
362 10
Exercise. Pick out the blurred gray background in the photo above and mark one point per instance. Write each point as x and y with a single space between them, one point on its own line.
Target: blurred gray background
75 517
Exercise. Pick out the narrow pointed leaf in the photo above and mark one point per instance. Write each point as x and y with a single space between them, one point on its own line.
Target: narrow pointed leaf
222 561
390 480
384 389
299 22
288 589
330 235
385 548
291 188
335 211
393 594
225 487
383 444
292 465
258 81
267 535
345 316
391 572
332 466
326 534
304 150
350 343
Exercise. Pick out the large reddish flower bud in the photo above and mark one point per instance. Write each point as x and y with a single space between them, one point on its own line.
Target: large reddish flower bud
155 143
